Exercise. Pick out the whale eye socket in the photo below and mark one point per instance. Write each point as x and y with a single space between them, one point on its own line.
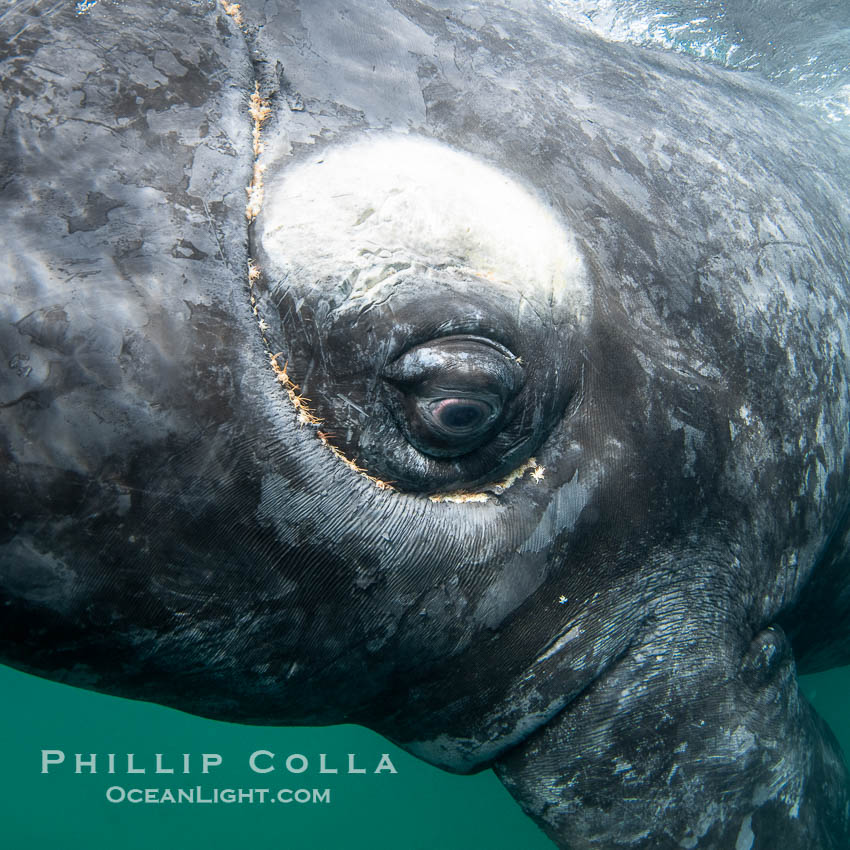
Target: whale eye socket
453 393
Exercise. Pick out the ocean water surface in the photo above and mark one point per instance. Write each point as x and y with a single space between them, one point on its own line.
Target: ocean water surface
801 45
417 808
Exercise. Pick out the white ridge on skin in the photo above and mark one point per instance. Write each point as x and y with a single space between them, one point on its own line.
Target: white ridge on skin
383 206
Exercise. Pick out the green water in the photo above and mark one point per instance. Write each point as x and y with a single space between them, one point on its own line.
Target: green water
417 808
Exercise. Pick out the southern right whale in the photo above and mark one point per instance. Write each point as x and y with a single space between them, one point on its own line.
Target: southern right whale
506 414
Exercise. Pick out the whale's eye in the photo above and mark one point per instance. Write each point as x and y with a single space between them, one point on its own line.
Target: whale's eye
461 416
447 427
453 393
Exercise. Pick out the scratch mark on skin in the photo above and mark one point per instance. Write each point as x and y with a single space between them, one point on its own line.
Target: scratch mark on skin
357 407
215 234
561 641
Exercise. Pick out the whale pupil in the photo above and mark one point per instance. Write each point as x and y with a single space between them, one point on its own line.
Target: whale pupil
459 415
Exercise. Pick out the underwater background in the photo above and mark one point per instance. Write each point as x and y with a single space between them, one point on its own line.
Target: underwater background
418 808
800 45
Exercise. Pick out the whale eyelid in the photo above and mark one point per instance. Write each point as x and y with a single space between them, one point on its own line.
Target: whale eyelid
483 340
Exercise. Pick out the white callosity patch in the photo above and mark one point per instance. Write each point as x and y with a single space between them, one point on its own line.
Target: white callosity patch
366 213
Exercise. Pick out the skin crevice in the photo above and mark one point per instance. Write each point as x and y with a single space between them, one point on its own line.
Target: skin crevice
497 487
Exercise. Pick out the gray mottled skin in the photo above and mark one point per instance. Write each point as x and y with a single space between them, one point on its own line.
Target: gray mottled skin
621 640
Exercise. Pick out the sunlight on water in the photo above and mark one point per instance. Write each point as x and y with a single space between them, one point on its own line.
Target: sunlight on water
802 46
